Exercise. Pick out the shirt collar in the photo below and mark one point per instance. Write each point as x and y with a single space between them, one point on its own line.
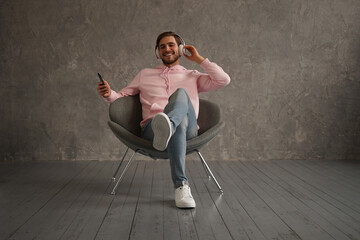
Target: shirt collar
176 67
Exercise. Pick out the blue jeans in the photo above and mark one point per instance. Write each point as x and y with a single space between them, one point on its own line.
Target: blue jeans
183 119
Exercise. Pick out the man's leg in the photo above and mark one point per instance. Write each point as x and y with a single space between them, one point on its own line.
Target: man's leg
183 122
183 119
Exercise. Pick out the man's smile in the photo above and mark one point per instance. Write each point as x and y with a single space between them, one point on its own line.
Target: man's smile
168 54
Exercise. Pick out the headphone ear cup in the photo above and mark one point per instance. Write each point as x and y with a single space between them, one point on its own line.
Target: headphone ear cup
181 49
157 53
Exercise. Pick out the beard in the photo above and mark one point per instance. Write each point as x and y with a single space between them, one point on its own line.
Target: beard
171 61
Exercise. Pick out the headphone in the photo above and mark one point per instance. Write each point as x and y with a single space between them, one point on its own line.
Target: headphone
181 47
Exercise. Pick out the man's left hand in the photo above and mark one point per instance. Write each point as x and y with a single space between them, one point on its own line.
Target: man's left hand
195 57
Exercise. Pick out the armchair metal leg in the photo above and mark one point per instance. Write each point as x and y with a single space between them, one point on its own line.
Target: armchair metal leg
116 172
123 173
208 171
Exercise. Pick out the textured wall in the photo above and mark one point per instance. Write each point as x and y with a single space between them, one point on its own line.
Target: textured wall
294 66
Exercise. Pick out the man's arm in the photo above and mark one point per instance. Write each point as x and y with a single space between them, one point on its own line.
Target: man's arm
195 56
110 95
214 76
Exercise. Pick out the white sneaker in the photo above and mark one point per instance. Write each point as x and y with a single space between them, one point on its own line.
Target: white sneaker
183 197
161 127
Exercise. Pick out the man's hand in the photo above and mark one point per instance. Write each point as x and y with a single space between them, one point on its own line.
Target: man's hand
104 89
195 57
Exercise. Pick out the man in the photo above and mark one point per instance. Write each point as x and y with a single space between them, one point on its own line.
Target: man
170 103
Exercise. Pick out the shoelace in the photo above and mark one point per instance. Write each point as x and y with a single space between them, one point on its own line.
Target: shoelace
185 191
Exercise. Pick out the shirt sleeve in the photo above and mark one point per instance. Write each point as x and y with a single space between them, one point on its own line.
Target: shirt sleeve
213 78
130 90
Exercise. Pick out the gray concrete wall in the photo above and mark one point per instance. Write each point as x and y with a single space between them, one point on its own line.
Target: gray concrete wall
294 66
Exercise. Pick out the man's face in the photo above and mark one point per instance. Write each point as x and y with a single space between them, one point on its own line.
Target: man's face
169 51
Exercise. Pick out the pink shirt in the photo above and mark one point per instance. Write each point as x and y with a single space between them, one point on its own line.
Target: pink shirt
155 86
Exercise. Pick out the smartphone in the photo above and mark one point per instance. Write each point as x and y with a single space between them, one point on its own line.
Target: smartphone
101 79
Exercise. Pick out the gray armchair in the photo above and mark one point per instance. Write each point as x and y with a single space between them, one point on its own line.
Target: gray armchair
126 115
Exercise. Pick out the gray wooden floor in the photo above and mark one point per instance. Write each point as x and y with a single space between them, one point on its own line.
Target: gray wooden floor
262 200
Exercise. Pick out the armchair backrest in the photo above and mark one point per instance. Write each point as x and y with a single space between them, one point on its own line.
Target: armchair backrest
127 112
209 115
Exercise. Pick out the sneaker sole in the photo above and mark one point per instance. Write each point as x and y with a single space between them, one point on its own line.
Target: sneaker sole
161 127
189 205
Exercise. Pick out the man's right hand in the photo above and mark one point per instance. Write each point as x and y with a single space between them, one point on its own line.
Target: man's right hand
104 89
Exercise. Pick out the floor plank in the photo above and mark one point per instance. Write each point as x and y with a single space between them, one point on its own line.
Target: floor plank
261 200
47 218
208 221
344 172
330 218
333 194
90 213
239 222
120 215
40 187
145 218
305 221
268 222
330 183
170 213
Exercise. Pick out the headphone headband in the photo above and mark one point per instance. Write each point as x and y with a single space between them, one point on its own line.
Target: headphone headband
181 40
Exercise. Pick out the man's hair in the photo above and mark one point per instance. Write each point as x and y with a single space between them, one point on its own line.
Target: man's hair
166 34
